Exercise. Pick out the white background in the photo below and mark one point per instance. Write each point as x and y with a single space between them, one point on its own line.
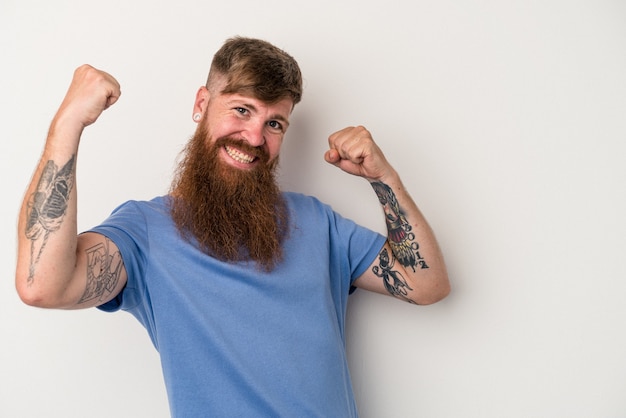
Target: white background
506 119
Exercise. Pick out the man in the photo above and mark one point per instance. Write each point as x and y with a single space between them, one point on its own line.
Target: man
241 287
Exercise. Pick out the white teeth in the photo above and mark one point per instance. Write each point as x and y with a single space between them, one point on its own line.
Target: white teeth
238 155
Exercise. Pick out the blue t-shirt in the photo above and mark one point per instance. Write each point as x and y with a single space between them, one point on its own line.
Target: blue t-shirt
235 341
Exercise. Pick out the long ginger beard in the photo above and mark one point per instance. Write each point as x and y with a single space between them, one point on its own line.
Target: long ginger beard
232 214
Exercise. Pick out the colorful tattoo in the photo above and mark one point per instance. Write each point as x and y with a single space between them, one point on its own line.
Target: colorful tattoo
103 271
393 280
401 239
47 207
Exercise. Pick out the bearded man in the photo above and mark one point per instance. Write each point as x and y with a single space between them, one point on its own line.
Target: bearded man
242 287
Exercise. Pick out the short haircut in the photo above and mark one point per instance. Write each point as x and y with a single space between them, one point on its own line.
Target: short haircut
256 68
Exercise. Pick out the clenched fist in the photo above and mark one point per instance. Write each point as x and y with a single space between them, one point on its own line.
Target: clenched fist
91 92
353 150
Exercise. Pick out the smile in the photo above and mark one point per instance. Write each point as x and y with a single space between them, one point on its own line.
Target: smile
238 155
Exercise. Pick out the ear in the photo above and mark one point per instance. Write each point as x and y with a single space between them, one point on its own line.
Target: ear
202 101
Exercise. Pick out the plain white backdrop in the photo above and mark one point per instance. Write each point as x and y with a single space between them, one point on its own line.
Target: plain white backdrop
507 121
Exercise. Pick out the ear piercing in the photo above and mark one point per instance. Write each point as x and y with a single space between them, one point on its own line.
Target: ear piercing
197 117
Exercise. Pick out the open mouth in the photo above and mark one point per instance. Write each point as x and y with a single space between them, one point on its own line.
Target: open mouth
239 156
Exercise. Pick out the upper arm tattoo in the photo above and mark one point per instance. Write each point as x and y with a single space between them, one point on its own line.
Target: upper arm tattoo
401 239
103 271
47 207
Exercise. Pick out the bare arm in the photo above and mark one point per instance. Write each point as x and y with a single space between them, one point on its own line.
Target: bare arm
55 267
410 266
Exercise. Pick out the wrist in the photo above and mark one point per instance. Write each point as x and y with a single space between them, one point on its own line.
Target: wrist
65 130
390 177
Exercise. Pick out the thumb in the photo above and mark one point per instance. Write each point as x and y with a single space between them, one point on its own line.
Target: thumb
332 156
112 99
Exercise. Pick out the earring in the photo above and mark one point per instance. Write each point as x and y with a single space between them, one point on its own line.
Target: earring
197 117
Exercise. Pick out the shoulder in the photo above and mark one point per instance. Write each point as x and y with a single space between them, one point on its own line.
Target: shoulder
157 204
134 218
133 210
298 202
309 211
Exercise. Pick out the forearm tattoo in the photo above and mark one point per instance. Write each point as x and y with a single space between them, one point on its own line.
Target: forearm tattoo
402 240
393 280
103 271
47 207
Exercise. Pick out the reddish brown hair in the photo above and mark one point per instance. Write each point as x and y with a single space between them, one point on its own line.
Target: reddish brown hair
256 68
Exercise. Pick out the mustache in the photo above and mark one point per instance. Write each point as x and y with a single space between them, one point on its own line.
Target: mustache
257 152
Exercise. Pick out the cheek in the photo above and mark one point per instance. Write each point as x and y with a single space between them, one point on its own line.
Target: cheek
273 147
221 127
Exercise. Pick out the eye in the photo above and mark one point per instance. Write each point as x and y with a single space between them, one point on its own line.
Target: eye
274 124
241 110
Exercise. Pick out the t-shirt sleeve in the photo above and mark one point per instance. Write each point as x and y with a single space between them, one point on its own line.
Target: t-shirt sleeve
362 244
126 227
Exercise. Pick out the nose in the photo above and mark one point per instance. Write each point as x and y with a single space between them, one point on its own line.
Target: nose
255 134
